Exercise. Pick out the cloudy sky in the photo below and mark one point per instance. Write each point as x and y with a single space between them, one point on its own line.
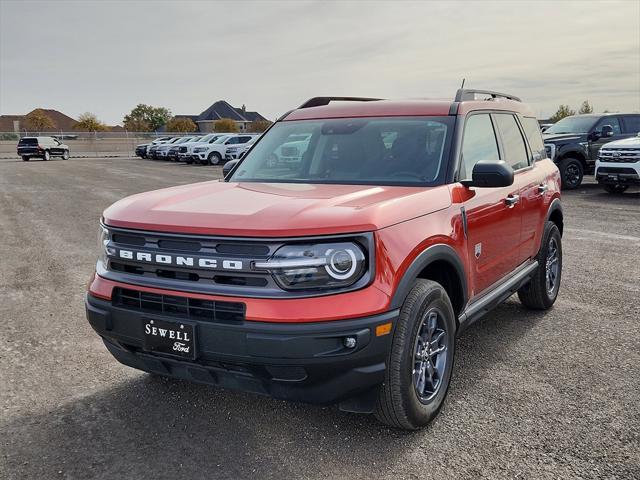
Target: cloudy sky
107 56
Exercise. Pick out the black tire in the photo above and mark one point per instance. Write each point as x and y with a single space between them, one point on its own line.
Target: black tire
65 155
615 188
25 158
571 173
536 293
399 403
214 158
46 156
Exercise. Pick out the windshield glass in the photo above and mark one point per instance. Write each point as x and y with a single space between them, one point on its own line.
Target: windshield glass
373 151
572 125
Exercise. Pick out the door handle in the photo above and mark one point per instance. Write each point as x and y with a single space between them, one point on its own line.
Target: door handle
543 187
511 200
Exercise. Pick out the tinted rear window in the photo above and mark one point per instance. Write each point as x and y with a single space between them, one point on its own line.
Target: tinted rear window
28 141
532 131
631 124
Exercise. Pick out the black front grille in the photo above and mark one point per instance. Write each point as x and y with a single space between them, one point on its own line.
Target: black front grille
182 307
615 170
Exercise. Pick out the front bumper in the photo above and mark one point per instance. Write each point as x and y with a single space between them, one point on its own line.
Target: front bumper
618 174
305 362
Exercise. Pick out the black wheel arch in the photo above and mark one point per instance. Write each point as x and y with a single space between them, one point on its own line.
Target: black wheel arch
555 215
442 264
573 153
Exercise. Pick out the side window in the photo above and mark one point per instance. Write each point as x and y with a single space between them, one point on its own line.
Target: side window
244 139
613 121
631 124
532 131
478 143
515 150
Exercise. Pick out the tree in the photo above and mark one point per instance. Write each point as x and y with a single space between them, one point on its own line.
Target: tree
38 120
258 126
585 107
89 123
181 125
563 111
225 125
146 115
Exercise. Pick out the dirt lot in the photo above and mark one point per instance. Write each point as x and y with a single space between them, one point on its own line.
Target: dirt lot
554 395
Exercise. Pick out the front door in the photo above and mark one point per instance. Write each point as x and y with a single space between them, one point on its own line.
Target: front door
493 214
596 145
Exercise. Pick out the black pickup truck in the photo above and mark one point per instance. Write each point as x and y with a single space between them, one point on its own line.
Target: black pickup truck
574 142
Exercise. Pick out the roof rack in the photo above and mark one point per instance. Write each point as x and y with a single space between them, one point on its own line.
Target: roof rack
470 94
320 101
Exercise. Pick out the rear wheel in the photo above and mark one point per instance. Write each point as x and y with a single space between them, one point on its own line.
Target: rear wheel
571 172
421 359
214 158
47 155
25 158
542 290
616 188
65 155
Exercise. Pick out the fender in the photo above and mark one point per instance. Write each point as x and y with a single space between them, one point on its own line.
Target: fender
554 206
570 150
433 253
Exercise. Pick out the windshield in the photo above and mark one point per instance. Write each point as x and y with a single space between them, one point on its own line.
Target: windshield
373 151
572 125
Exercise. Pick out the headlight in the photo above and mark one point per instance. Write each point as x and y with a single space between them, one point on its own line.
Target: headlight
103 241
199 149
232 149
550 149
316 266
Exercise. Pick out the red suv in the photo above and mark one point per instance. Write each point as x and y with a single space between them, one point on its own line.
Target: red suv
343 271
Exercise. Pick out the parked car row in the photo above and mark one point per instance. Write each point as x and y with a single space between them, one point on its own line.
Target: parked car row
211 149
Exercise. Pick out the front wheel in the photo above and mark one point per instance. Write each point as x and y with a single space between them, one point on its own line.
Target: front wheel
214 158
47 155
616 188
25 158
541 291
571 173
65 155
420 362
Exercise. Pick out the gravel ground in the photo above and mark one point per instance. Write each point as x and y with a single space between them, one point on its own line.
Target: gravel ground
534 395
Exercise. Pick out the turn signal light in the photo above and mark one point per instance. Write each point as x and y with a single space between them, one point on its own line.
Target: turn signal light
383 329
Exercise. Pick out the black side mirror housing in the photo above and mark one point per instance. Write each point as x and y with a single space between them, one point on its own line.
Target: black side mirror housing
607 131
490 174
228 167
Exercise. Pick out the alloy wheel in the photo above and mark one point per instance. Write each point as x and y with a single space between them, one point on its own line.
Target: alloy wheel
552 266
430 355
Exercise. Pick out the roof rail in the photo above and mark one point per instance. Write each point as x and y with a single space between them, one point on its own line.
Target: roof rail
470 94
320 101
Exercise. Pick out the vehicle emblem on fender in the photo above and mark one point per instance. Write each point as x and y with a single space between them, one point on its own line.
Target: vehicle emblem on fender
478 250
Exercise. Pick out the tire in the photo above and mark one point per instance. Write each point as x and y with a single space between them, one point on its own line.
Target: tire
615 188
65 155
214 158
571 172
537 294
25 158
46 156
399 403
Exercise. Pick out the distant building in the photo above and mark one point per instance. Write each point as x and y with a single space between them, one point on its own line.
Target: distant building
63 123
222 109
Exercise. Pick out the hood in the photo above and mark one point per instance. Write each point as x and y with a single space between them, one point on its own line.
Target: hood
633 142
274 209
562 137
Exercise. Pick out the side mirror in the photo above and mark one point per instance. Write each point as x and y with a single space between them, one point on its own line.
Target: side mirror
228 167
607 131
490 174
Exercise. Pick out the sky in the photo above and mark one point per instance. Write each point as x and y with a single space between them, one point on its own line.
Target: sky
107 56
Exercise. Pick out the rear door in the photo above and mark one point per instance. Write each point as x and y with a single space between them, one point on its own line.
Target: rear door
631 125
493 222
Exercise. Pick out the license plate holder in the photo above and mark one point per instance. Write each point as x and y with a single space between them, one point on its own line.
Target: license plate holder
173 338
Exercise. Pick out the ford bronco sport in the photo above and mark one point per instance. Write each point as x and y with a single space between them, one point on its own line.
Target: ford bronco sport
344 277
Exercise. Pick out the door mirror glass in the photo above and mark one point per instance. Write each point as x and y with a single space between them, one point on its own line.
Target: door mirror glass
490 174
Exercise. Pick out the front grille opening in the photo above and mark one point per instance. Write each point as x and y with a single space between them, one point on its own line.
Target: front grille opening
183 307
242 249
178 275
180 245
240 281
122 267
128 239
